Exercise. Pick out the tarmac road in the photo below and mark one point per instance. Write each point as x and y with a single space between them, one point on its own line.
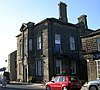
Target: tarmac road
23 87
33 86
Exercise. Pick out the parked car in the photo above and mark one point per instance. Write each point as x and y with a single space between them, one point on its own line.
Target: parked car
64 83
93 85
7 75
1 77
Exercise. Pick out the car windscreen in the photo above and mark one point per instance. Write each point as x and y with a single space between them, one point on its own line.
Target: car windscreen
62 79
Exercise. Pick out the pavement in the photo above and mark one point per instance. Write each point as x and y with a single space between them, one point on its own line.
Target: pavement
18 83
41 85
85 85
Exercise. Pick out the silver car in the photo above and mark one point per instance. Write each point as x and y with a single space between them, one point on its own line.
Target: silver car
93 85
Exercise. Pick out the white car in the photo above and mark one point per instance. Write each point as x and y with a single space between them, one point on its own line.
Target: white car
93 85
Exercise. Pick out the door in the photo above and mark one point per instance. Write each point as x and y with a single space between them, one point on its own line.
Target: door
74 82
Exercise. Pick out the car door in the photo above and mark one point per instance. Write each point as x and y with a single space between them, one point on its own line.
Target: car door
74 82
59 83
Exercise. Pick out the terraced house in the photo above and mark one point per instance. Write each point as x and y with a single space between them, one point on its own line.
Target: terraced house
51 47
91 47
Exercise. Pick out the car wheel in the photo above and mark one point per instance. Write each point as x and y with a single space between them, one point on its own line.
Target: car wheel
93 88
48 88
64 88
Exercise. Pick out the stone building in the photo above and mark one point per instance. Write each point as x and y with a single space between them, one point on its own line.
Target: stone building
91 48
25 56
12 65
51 47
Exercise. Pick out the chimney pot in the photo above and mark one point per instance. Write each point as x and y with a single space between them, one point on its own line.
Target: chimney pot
83 18
62 12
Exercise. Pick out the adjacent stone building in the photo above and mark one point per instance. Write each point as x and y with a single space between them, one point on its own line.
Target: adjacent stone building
25 56
51 47
91 51
12 65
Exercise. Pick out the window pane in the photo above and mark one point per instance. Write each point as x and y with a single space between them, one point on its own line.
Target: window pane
38 42
58 67
98 43
39 39
57 39
57 43
30 44
55 79
39 67
57 70
73 66
57 48
72 43
98 68
60 79
74 79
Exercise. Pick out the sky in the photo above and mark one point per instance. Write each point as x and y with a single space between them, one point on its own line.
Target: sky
15 12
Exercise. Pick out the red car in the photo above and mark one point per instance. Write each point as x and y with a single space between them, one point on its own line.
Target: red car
64 83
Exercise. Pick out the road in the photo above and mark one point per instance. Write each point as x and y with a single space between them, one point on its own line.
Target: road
22 87
27 87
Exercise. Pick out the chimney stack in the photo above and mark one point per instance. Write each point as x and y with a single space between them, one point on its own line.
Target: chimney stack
62 12
83 18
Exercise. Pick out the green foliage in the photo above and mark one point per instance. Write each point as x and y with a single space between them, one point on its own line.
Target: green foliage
30 77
